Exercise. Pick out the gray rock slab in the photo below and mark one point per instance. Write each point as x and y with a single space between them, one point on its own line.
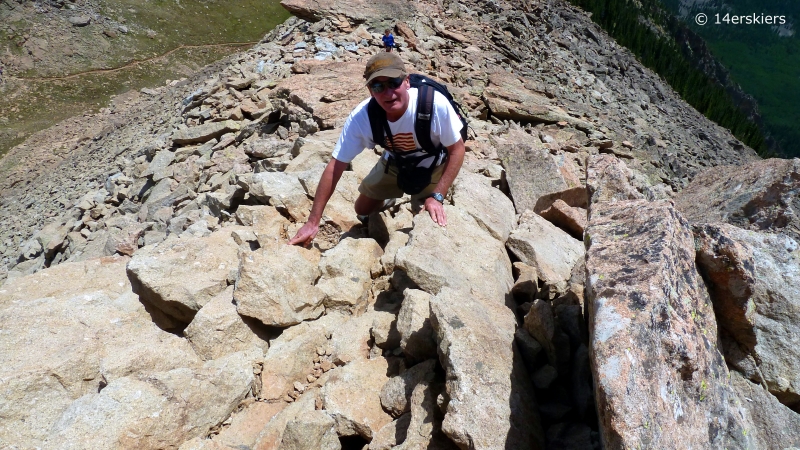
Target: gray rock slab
754 282
352 397
610 179
414 325
660 378
491 403
762 195
80 21
396 393
160 162
773 424
281 190
310 430
347 271
204 132
271 435
508 98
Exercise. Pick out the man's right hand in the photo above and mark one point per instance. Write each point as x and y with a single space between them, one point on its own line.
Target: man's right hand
327 183
305 235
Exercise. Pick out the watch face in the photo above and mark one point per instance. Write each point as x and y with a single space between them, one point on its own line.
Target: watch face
438 197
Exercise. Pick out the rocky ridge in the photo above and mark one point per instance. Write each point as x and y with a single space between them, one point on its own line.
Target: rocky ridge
526 323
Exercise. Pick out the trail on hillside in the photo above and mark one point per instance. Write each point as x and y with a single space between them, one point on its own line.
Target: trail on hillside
134 62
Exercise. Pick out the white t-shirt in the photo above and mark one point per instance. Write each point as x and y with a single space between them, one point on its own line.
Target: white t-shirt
357 133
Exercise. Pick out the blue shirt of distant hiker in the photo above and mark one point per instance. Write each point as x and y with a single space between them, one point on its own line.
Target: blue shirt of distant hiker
388 40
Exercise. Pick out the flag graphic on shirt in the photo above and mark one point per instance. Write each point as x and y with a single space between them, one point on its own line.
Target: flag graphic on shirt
403 141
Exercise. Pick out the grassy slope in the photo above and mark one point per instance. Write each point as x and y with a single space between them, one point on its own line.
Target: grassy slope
30 104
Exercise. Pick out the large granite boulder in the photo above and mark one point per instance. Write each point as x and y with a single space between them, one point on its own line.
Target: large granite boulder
218 330
754 282
160 410
281 190
69 331
352 397
490 207
462 255
310 430
414 325
347 271
245 426
396 393
276 285
548 249
340 210
204 132
491 403
267 223
271 434
762 195
535 177
661 381
609 179
424 427
354 339
180 275
358 11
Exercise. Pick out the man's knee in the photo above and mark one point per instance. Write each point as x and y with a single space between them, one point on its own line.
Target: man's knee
365 205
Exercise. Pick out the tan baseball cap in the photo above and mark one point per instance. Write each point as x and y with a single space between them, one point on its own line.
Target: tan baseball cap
384 64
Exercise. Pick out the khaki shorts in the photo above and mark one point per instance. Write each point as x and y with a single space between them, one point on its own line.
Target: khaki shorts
379 185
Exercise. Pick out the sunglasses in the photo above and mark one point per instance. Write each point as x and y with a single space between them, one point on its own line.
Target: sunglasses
380 86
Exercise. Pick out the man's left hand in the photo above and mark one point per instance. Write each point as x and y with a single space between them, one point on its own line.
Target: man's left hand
436 210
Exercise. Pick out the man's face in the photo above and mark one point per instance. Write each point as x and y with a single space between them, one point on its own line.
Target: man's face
393 100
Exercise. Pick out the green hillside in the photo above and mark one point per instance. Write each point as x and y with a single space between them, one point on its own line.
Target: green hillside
763 62
644 27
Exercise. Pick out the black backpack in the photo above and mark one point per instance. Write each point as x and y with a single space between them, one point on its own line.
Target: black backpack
414 169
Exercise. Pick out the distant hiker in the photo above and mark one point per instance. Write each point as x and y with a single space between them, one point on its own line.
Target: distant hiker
424 142
388 40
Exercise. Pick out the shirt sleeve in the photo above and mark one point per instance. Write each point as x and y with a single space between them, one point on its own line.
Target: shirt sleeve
445 121
356 135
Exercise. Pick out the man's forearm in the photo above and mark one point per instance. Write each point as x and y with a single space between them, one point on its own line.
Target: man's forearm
451 167
327 184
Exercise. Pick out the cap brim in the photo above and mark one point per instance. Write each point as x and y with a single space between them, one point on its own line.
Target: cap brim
390 73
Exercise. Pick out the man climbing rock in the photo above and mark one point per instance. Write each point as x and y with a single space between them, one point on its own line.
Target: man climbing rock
422 166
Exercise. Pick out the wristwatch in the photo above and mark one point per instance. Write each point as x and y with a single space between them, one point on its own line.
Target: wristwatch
438 197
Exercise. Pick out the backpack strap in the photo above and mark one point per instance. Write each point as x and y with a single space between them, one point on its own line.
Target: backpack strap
422 123
380 127
377 117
